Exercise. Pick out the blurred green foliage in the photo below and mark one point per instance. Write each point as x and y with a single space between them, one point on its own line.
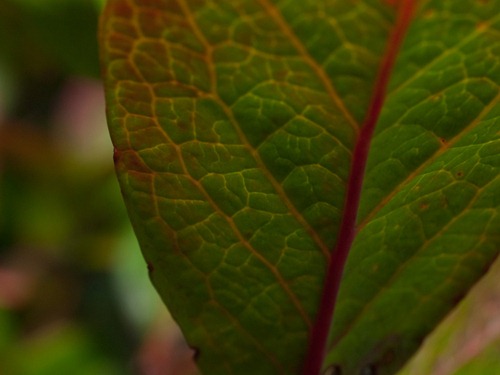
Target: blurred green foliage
74 295
42 35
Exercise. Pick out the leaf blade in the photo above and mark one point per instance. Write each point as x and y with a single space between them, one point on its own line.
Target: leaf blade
427 201
251 200
234 126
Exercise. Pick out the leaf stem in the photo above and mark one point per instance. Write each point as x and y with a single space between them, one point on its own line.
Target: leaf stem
319 335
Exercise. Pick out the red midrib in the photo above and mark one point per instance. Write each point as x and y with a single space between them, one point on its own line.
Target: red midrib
319 335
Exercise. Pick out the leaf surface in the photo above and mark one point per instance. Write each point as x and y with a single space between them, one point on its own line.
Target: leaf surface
235 125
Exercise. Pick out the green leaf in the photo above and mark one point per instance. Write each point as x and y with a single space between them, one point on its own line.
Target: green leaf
467 342
240 130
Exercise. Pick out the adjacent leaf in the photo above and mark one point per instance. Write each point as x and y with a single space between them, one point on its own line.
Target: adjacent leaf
467 342
235 125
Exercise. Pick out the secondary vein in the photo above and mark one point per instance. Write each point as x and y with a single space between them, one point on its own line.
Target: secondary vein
295 301
318 70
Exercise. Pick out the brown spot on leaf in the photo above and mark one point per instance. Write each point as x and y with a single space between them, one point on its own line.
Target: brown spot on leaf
131 161
424 206
459 174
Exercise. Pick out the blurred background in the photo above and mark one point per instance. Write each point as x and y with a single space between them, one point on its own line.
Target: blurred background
74 293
